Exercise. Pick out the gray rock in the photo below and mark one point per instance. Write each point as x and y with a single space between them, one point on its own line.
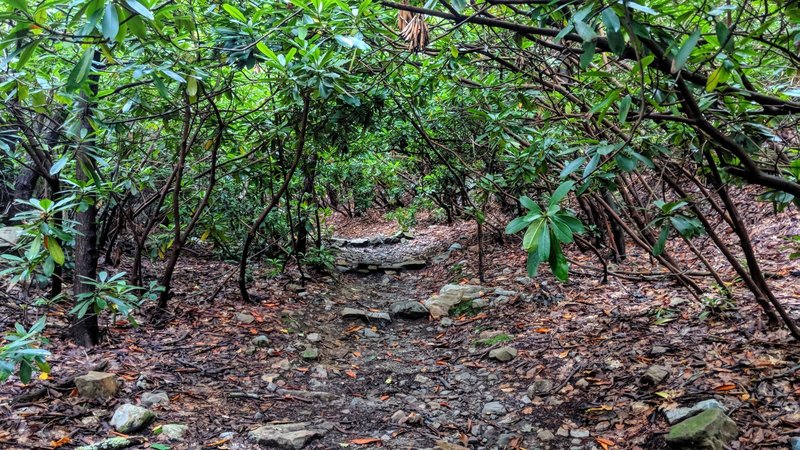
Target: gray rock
398 418
451 295
454 247
504 439
446 322
410 310
353 313
795 443
291 436
310 353
659 350
493 409
709 430
655 375
676 415
504 292
318 395
260 341
154 399
545 435
503 354
579 433
379 317
9 236
245 318
313 337
173 431
369 334
541 386
97 385
131 418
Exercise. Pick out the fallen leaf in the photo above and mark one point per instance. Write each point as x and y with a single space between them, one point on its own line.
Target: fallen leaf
725 387
63 441
351 374
364 441
605 443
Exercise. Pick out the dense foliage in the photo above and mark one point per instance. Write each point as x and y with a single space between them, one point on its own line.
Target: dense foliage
139 128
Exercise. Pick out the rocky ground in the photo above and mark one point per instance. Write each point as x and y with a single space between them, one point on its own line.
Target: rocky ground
417 356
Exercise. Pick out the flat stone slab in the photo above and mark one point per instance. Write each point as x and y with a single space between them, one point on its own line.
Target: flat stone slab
290 436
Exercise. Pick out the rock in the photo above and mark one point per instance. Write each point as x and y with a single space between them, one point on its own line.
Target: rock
245 318
398 418
794 443
411 264
582 383
504 439
545 435
579 433
676 415
655 375
410 310
454 247
131 418
421 379
260 341
353 313
319 395
451 295
173 431
313 337
709 430
310 353
493 409
444 445
9 236
658 350
292 436
97 385
154 399
541 386
369 334
503 354
114 443
367 316
446 322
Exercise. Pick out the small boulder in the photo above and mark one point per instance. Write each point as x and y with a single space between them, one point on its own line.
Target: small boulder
795 443
245 318
709 430
353 313
97 385
410 310
541 386
131 418
173 431
503 354
154 399
676 415
654 375
289 436
313 337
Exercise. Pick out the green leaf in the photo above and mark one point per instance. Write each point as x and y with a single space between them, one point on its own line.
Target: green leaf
234 12
685 52
585 31
624 108
572 166
610 20
140 9
59 164
588 54
459 5
561 191
625 163
532 264
638 7
558 263
658 249
25 371
543 244
110 22
517 225
81 71
55 251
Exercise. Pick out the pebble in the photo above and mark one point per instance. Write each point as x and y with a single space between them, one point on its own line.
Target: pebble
154 399
314 337
245 318
494 408
260 341
579 433
503 354
545 435
654 375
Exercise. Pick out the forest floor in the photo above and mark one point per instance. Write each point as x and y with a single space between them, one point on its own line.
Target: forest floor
575 382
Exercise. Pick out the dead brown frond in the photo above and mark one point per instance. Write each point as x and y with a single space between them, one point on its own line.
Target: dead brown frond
413 29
